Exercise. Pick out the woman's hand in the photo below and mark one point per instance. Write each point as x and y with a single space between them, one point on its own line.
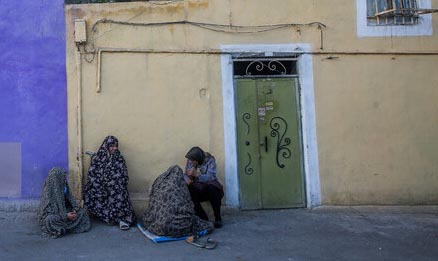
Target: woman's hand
72 215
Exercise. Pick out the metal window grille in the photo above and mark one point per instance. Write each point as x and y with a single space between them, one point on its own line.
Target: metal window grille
392 12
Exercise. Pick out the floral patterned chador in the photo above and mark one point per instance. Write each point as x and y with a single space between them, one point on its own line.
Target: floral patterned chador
106 194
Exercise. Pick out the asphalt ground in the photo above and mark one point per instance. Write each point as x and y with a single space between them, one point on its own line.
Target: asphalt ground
326 233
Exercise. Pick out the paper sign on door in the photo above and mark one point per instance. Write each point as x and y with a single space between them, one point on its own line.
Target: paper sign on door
262 111
269 106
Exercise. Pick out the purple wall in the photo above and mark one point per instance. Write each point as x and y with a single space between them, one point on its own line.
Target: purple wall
33 93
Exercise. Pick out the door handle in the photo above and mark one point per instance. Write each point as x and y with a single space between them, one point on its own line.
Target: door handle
265 143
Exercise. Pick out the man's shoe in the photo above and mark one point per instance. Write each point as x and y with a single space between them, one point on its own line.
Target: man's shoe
217 224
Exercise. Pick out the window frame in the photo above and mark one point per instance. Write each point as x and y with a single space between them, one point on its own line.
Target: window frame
422 28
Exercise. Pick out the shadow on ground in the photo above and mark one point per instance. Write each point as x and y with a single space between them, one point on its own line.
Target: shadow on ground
345 233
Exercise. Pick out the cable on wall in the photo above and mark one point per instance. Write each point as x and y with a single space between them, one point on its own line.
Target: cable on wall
221 28
214 27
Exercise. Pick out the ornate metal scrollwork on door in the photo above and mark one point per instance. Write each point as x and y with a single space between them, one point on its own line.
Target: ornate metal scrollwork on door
248 169
278 129
264 66
273 66
246 116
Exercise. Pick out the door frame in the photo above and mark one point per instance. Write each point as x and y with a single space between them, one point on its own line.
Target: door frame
307 112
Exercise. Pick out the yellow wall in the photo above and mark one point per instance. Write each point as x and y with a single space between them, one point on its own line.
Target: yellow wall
376 124
377 129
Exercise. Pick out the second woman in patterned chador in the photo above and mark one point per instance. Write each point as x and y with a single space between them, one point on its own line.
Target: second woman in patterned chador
106 194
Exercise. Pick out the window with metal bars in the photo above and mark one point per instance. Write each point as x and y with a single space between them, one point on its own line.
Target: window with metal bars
392 12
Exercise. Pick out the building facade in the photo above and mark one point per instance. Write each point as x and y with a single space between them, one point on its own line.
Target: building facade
303 103
357 126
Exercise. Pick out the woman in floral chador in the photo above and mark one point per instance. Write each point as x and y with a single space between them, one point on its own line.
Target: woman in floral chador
59 212
106 194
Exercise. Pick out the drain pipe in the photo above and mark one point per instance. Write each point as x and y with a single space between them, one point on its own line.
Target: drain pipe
79 154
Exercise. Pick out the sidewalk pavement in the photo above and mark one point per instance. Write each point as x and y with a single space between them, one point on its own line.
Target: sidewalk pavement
325 233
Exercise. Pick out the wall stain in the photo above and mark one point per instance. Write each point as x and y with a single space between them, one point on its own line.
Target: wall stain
170 8
163 9
171 28
198 4
76 13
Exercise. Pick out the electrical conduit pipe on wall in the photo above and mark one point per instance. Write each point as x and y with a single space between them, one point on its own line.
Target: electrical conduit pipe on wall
79 154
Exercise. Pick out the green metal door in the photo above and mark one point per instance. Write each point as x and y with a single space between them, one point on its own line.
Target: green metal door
269 143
